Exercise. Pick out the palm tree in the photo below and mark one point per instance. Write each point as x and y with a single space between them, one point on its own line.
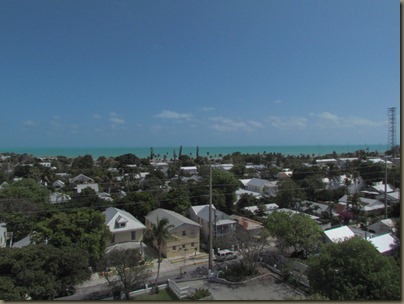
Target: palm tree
160 233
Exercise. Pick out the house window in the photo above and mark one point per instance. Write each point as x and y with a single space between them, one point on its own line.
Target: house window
122 225
183 246
192 244
113 238
174 248
133 235
184 232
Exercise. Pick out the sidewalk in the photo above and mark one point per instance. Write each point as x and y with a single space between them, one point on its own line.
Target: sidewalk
167 264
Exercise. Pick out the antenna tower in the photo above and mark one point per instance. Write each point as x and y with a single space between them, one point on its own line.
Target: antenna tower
392 129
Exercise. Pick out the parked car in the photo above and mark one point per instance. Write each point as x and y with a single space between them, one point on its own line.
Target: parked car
225 255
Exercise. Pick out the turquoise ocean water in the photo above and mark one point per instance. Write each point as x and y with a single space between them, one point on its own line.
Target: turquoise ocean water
191 151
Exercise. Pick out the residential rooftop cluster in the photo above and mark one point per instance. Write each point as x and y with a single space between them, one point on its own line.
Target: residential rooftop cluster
345 196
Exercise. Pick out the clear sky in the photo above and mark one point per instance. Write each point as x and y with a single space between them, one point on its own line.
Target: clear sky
198 72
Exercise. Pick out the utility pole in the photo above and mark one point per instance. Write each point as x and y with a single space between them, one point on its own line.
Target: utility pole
210 219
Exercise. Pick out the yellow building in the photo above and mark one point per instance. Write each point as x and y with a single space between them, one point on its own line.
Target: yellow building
185 233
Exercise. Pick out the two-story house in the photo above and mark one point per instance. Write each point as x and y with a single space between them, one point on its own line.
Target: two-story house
184 233
123 226
223 225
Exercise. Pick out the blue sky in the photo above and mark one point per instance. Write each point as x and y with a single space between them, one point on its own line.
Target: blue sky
207 73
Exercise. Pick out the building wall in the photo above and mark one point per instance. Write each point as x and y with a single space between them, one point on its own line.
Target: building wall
186 241
126 236
184 237
3 236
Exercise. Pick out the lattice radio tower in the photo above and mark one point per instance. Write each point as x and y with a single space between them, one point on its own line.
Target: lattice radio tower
392 129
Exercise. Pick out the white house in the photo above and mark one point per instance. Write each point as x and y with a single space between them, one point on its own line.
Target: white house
56 198
385 243
58 184
123 226
81 178
105 196
162 166
268 208
339 234
370 205
189 170
326 161
3 235
240 192
355 185
224 167
81 187
381 187
263 186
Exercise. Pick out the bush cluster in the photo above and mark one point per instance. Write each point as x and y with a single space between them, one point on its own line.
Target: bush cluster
236 272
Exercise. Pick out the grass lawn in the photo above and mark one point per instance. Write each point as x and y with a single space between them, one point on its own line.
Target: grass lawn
163 295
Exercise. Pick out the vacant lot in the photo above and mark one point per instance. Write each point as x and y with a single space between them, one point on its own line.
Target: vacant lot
265 288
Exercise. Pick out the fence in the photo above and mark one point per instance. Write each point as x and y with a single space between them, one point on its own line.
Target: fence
179 292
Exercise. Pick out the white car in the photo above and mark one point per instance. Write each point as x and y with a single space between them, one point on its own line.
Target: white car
225 255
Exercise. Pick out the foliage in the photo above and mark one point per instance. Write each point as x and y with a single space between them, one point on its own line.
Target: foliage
88 198
236 272
200 293
371 171
41 271
226 184
346 216
125 270
246 200
238 170
312 185
27 190
289 193
139 204
83 162
23 204
127 159
177 200
354 270
160 233
250 246
294 229
84 227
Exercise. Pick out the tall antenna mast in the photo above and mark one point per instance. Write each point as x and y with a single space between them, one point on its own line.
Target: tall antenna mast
392 130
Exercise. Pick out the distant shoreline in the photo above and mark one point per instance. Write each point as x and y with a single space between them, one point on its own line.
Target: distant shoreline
143 152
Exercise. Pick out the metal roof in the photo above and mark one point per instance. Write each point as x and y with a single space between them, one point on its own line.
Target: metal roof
339 234
173 218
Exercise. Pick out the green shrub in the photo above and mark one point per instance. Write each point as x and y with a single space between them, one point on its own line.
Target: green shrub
235 272
200 293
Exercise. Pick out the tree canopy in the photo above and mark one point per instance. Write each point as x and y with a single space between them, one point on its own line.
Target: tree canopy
354 270
83 227
41 272
125 270
289 193
294 230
